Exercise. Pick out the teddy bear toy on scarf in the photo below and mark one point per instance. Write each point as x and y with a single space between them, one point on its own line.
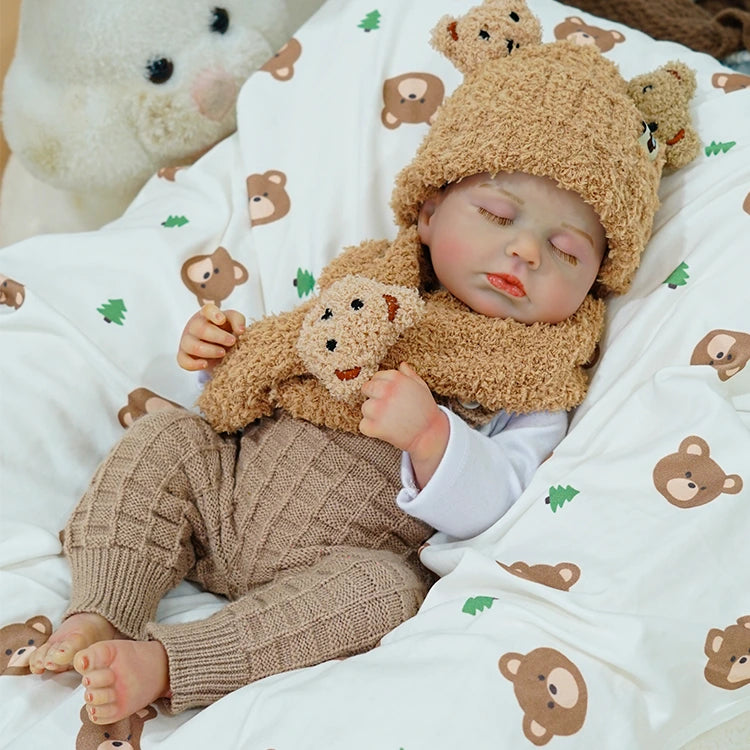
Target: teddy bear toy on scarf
100 95
380 304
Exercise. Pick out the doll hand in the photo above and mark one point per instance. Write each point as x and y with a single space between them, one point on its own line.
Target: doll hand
400 409
207 337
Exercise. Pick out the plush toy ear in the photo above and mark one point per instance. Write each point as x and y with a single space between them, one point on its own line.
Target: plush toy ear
494 29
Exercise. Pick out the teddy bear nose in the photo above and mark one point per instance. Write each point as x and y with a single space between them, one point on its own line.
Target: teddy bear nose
331 344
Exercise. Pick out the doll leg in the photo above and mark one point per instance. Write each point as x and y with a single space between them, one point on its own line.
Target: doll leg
139 529
342 605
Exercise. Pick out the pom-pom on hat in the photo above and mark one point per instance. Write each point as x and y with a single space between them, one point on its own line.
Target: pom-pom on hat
555 110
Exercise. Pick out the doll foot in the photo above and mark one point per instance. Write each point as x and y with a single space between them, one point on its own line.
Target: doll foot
76 633
121 677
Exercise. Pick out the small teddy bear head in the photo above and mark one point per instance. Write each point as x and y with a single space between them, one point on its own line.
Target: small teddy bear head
488 31
346 335
19 640
663 97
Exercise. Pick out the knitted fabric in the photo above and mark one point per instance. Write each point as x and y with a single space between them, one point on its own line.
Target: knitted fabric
555 110
294 523
717 27
462 355
572 121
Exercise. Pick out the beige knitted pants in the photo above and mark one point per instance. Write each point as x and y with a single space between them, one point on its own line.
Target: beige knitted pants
297 525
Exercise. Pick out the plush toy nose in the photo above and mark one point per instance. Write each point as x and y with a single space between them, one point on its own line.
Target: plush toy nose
215 92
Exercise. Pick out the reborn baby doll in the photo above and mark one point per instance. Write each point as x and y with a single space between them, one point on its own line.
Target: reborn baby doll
294 518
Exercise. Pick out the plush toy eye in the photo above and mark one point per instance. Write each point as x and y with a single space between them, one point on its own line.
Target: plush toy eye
220 23
159 71
484 35
515 17
327 314
8 651
648 88
357 304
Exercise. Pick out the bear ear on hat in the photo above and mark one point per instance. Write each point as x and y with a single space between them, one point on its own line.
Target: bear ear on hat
489 31
663 98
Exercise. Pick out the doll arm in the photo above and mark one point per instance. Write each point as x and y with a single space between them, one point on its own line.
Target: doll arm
243 385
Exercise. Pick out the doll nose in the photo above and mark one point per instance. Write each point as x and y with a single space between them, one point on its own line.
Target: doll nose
525 246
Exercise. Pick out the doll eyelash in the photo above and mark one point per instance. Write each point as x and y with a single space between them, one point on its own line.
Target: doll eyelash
567 257
493 217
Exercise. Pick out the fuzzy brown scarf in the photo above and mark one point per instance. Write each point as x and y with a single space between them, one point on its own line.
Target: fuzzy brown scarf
717 27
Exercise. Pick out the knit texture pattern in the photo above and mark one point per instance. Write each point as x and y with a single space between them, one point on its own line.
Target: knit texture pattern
293 523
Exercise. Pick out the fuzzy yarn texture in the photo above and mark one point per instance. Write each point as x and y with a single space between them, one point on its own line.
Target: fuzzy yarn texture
554 110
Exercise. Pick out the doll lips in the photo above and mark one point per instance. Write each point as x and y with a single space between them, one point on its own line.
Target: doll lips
348 374
507 283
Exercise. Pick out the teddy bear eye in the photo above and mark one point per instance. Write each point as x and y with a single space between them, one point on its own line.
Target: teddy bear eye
484 34
515 17
31 642
8 651
327 315
220 22
357 304
648 88
159 71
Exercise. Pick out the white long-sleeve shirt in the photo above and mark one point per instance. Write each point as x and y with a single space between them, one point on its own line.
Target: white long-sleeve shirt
483 471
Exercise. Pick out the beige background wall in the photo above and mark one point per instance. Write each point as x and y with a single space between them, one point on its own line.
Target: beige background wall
8 28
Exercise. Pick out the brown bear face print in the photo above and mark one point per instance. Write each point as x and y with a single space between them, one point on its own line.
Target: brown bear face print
142 401
411 98
561 576
19 640
281 65
730 82
549 689
212 278
728 653
726 351
575 30
267 198
12 293
690 477
122 735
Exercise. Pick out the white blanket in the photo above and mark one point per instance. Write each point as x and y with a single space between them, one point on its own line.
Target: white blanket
640 640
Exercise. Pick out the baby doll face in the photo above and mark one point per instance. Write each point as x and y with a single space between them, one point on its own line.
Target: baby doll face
513 246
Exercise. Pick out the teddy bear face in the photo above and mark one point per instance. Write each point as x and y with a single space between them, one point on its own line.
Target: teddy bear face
691 477
129 88
663 97
728 653
726 351
19 640
347 333
122 735
549 689
494 29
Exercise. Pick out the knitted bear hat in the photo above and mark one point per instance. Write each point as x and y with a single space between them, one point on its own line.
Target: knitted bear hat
556 110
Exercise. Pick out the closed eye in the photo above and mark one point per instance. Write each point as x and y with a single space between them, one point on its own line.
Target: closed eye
567 257
494 218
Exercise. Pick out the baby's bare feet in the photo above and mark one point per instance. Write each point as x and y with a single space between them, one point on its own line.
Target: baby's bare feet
121 677
79 631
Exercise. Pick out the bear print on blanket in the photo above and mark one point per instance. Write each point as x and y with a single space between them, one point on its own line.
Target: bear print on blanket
19 640
691 477
728 653
123 735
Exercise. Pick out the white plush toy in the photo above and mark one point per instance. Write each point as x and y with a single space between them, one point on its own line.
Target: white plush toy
100 95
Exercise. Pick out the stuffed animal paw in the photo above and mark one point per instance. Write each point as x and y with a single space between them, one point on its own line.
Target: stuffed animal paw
345 336
488 31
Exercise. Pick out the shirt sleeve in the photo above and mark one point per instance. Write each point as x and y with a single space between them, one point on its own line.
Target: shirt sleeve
482 473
